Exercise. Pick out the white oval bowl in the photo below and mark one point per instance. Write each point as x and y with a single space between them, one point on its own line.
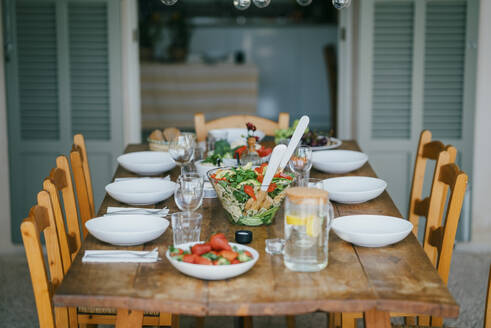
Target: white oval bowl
234 134
371 230
127 229
214 272
338 161
147 162
354 190
141 191
202 168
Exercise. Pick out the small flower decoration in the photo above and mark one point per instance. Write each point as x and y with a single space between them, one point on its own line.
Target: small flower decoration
251 128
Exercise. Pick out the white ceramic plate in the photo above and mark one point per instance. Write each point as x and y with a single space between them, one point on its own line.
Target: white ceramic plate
335 143
214 272
234 134
147 162
127 229
202 168
354 190
141 191
371 230
338 161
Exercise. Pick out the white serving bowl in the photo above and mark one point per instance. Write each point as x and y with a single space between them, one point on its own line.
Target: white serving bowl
141 191
127 229
214 272
338 161
354 190
234 134
147 162
371 230
202 168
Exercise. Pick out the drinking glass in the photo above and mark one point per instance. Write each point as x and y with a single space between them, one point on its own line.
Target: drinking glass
189 192
308 215
181 148
186 227
313 183
300 163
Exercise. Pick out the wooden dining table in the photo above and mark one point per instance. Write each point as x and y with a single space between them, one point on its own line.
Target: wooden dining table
376 281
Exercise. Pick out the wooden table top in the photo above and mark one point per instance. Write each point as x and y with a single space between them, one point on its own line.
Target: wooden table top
397 278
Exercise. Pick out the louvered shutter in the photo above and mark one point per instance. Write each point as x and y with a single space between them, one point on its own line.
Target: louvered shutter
37 70
392 69
444 68
89 70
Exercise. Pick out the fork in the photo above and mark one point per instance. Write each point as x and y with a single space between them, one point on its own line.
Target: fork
162 212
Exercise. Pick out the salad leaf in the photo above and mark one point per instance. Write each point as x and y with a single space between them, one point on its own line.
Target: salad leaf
221 147
241 196
210 256
281 134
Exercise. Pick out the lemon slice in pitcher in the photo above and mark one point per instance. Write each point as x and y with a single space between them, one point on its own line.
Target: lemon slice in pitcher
313 227
297 220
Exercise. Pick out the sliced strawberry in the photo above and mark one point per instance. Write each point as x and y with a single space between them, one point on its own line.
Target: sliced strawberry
235 262
203 260
189 258
229 255
218 243
200 249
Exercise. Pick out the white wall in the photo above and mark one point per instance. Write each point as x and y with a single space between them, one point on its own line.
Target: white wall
130 72
5 239
481 183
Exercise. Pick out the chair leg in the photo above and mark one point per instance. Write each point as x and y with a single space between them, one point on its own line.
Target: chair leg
424 320
175 321
410 321
436 321
200 322
290 321
348 320
334 320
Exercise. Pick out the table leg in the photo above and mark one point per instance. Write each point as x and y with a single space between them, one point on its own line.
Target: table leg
243 322
376 319
129 318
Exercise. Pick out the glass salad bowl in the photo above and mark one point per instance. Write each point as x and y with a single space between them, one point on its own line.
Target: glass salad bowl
239 191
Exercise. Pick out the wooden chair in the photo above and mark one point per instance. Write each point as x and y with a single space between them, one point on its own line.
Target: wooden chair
427 150
82 183
238 121
487 309
439 237
39 221
59 182
79 145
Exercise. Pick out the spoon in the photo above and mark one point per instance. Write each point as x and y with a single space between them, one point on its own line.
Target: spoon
274 161
294 140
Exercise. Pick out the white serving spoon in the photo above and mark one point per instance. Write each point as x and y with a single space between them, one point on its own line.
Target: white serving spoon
273 164
294 140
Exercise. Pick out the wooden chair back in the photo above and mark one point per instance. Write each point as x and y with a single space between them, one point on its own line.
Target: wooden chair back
80 178
238 121
59 183
79 141
41 219
487 310
427 150
439 237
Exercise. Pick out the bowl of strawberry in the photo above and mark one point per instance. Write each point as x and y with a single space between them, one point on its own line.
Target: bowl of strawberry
215 259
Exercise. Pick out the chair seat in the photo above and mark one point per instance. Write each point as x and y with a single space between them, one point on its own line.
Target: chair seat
99 310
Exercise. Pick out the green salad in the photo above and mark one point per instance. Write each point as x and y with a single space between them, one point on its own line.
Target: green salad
239 190
282 134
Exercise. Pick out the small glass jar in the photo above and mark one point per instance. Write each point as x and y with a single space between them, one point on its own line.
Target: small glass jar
308 215
250 154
